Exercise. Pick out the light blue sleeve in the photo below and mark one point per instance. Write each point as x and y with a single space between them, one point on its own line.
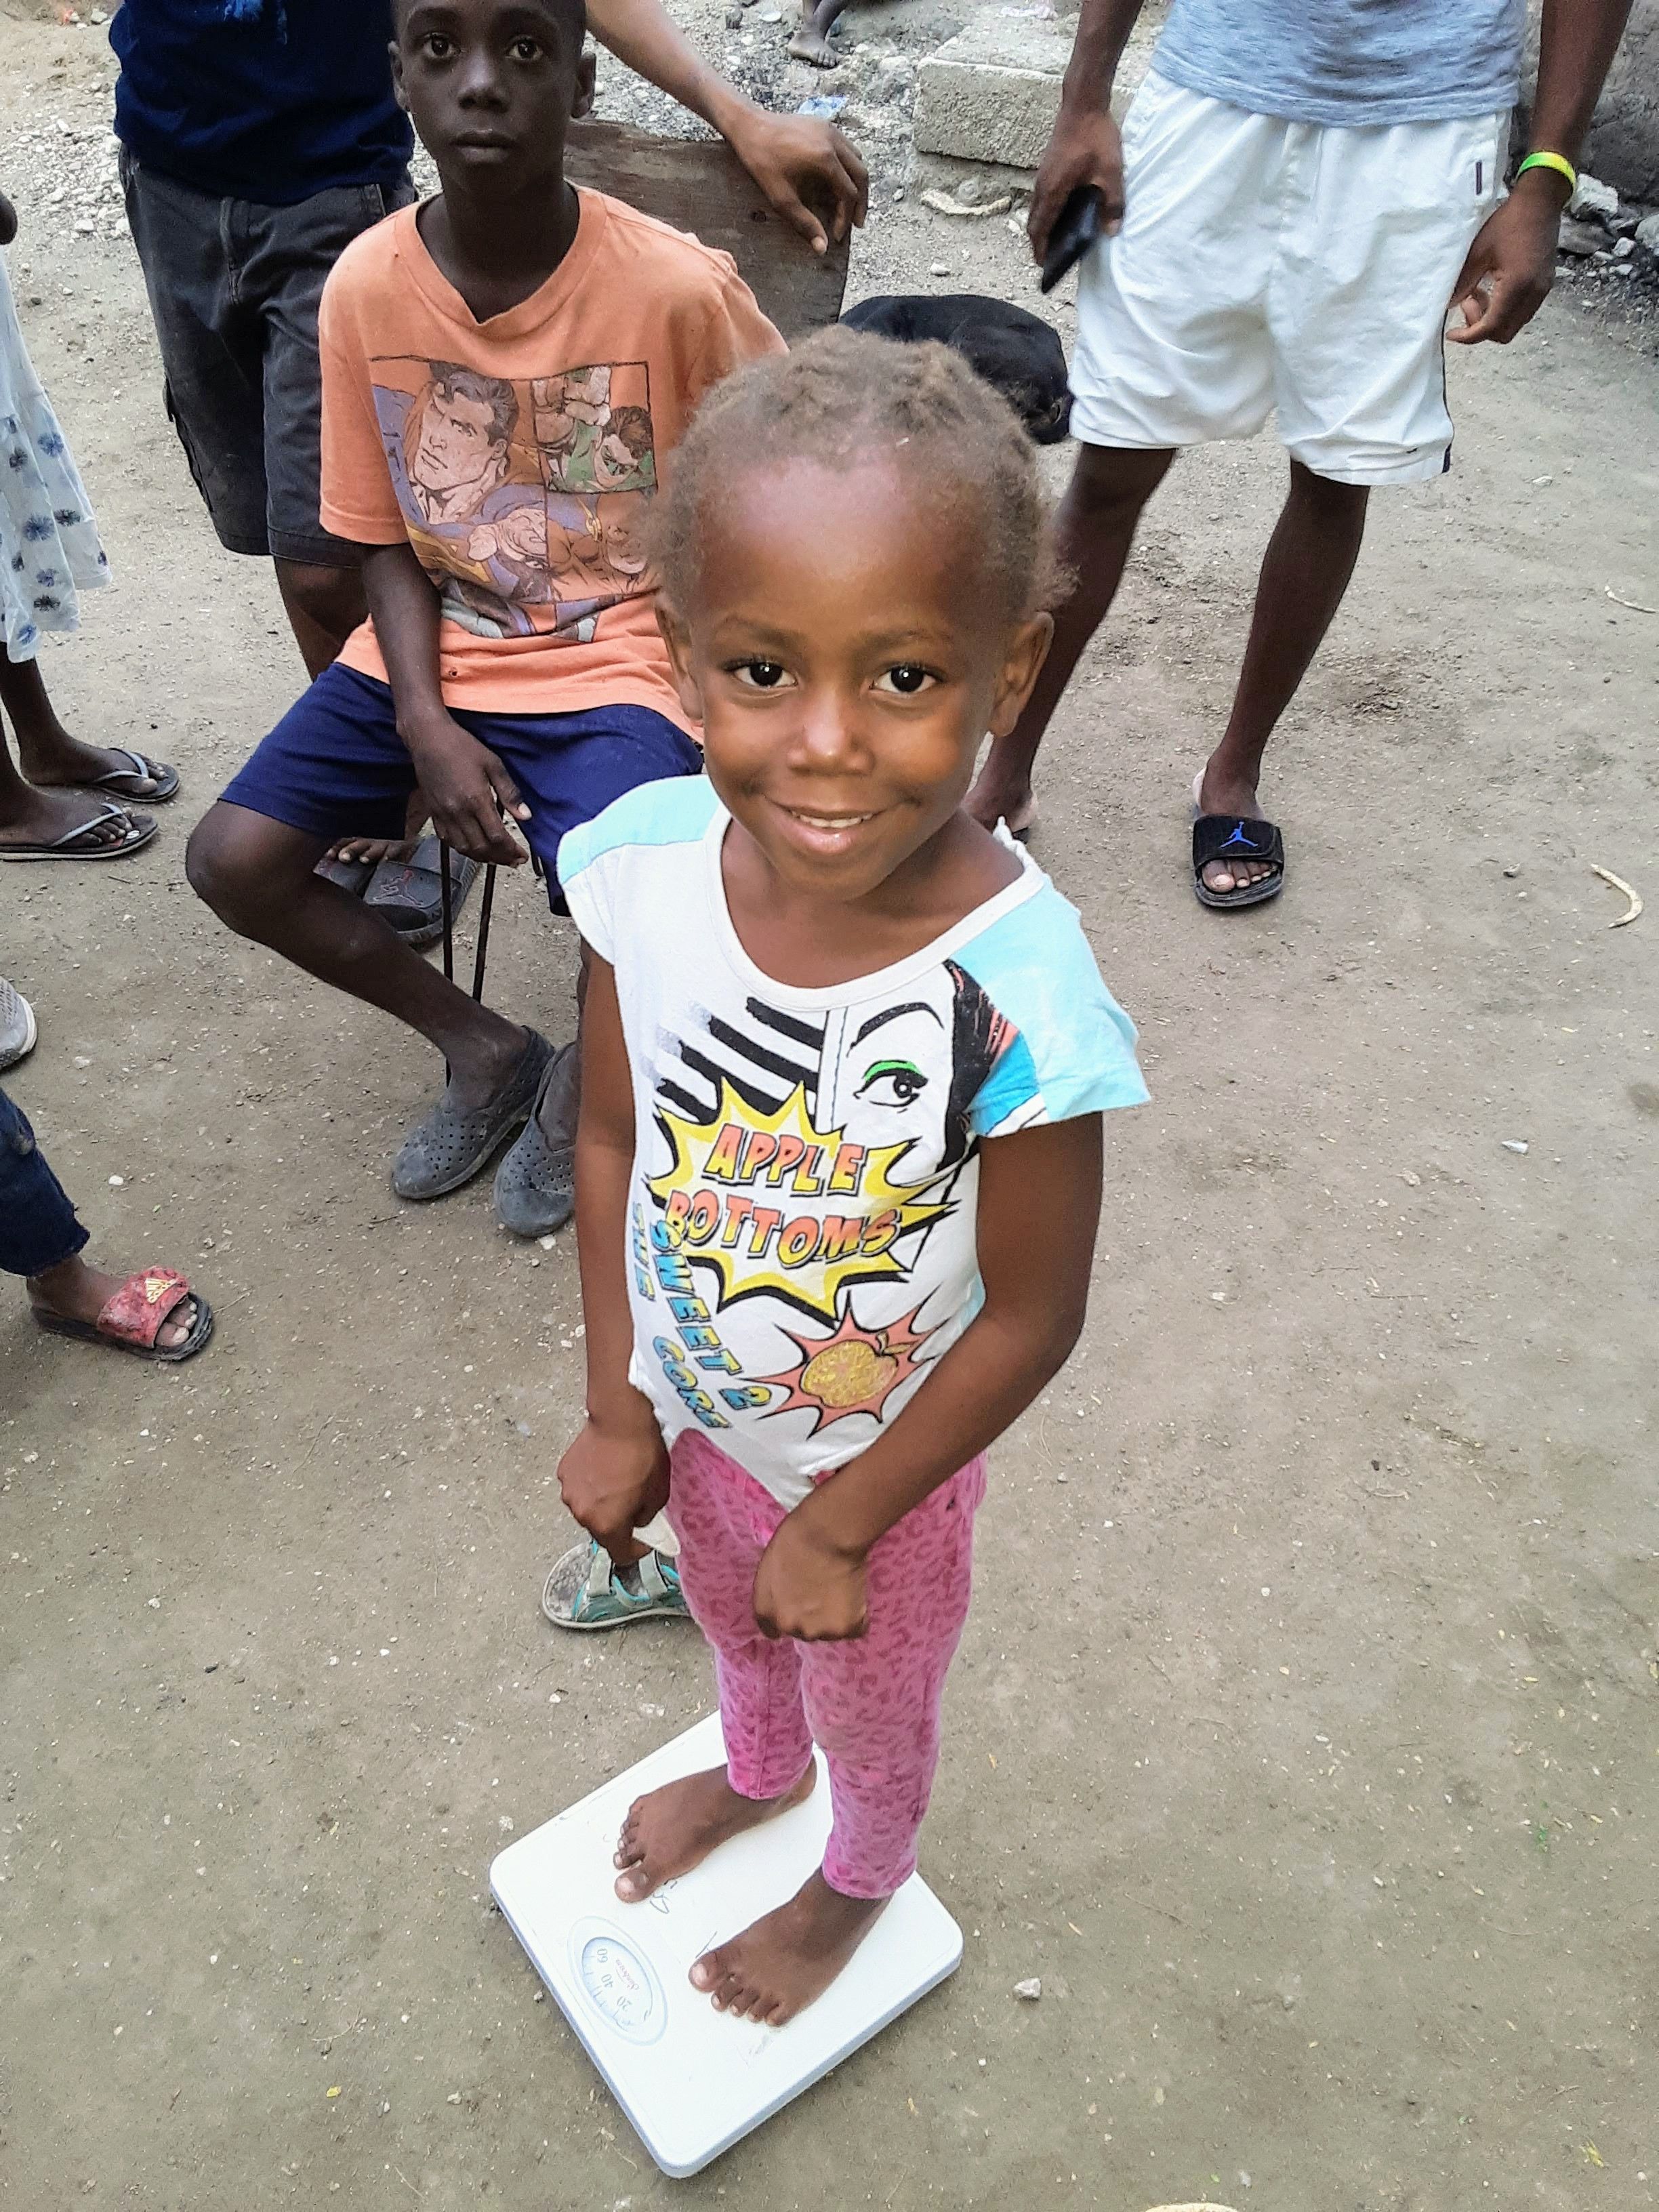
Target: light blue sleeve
675 810
1075 1052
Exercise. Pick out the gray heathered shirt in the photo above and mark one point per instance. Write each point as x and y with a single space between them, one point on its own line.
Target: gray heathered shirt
1348 62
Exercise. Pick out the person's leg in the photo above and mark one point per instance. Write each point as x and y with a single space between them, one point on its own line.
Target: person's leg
570 768
1094 530
42 1240
1309 561
724 1521
323 605
290 252
257 874
335 759
811 42
873 1706
52 758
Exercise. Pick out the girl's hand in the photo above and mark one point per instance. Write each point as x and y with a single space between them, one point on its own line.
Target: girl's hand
809 1588
615 1481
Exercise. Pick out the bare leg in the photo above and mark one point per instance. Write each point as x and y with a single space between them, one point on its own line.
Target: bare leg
50 757
256 874
1095 528
324 606
75 1291
1309 559
811 42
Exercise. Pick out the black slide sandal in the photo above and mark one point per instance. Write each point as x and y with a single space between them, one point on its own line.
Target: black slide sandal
1237 837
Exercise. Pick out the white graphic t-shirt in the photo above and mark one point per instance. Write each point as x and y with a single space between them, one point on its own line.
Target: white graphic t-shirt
801 1223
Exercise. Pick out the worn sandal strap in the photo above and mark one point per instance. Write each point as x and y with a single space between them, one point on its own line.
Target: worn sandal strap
1236 837
138 1311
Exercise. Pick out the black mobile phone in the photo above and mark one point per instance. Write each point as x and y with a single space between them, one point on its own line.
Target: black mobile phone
1076 228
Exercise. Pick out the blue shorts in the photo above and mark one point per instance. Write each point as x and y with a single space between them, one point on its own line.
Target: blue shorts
335 765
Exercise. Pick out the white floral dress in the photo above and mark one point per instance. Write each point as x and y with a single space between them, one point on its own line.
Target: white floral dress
49 548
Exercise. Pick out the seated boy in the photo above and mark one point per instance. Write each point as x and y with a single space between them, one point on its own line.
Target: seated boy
506 370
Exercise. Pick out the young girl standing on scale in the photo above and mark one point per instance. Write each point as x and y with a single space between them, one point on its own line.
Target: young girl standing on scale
838 1170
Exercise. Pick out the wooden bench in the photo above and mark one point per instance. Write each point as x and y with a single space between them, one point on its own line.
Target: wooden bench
699 184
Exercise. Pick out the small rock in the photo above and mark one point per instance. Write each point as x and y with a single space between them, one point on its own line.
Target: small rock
1592 196
771 15
1511 872
938 268
1514 1145
116 1181
1581 239
1647 233
1029 1992
1415 1181
1622 248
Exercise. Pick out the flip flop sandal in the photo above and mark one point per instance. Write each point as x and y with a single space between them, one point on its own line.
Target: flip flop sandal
409 893
139 831
133 1317
536 1182
123 781
353 877
448 1148
586 1589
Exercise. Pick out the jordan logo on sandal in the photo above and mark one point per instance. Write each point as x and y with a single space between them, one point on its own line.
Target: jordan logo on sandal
1238 836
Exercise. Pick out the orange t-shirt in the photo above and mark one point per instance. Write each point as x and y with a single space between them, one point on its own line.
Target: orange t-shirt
519 455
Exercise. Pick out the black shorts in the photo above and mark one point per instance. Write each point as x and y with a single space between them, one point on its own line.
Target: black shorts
234 288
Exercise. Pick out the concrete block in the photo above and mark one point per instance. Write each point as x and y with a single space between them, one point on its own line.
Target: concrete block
992 94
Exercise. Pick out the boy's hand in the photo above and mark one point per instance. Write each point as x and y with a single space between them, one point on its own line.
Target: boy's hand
468 790
1085 149
1510 268
615 1481
809 1588
7 220
792 156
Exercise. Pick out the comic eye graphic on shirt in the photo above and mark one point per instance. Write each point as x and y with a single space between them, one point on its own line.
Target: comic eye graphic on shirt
807 1209
525 498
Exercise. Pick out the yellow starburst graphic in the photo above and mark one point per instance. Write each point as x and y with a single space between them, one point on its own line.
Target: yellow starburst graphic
778 1208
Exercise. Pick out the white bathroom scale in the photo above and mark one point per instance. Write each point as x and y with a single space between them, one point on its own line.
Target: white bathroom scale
693 2081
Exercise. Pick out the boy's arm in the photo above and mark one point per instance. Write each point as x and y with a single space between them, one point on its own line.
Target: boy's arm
1511 265
1039 1205
787 156
1085 148
615 1476
466 785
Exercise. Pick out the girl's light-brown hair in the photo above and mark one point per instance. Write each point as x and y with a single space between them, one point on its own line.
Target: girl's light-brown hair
846 397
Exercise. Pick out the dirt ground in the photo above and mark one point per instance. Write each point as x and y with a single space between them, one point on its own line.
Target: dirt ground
1305 1738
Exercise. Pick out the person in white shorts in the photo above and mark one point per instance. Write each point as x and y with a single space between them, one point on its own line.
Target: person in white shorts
1301 193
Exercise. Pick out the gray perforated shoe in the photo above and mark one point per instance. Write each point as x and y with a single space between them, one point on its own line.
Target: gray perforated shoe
449 1148
16 1022
536 1182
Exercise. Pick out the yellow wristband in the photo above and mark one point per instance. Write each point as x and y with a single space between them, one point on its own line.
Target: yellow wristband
1556 161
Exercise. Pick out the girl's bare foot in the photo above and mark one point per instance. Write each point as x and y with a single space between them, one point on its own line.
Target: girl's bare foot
777 1968
675 1828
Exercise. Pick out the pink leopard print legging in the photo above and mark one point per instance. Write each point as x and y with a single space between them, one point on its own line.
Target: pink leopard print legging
871 1704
